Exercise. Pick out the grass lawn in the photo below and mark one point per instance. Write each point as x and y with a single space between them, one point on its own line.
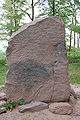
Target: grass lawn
3 70
3 67
74 73
74 65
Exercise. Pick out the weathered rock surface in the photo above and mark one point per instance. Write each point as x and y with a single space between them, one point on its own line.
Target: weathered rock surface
3 110
33 106
72 100
73 92
37 62
60 108
76 110
1 88
2 102
3 96
76 89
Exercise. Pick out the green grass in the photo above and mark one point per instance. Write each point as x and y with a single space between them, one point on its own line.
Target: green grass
74 73
3 70
3 67
74 66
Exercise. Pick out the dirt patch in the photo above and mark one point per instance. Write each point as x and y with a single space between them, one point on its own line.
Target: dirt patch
42 115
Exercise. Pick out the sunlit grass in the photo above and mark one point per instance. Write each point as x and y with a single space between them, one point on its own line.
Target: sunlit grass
74 73
3 67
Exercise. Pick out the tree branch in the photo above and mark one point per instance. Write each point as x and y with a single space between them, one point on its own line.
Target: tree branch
26 13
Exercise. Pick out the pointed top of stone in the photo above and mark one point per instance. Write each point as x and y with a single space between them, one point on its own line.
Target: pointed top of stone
54 18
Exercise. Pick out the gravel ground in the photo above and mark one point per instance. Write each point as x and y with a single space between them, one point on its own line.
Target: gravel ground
42 115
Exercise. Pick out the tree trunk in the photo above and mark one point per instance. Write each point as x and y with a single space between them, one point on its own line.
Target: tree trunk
70 42
78 37
74 33
15 21
32 10
70 39
74 39
11 19
53 7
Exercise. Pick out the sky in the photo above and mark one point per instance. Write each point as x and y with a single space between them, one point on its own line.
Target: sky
3 45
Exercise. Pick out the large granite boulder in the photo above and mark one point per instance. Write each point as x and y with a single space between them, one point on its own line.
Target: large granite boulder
37 62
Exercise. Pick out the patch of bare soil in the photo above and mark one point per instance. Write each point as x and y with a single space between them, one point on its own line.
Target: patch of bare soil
41 115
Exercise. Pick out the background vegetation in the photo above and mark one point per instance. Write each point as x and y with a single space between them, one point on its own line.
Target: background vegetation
74 65
3 67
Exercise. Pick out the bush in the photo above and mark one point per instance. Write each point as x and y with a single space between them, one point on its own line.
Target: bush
20 102
12 103
9 104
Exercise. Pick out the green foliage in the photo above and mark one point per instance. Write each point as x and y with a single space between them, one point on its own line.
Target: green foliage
20 102
74 56
9 104
60 8
74 73
3 67
2 54
3 70
12 15
74 65
76 28
66 9
3 61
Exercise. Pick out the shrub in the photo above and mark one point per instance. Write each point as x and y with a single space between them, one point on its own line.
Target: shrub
20 102
9 104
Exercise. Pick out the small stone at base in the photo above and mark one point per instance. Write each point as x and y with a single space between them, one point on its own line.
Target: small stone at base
3 110
3 96
2 102
60 108
33 106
